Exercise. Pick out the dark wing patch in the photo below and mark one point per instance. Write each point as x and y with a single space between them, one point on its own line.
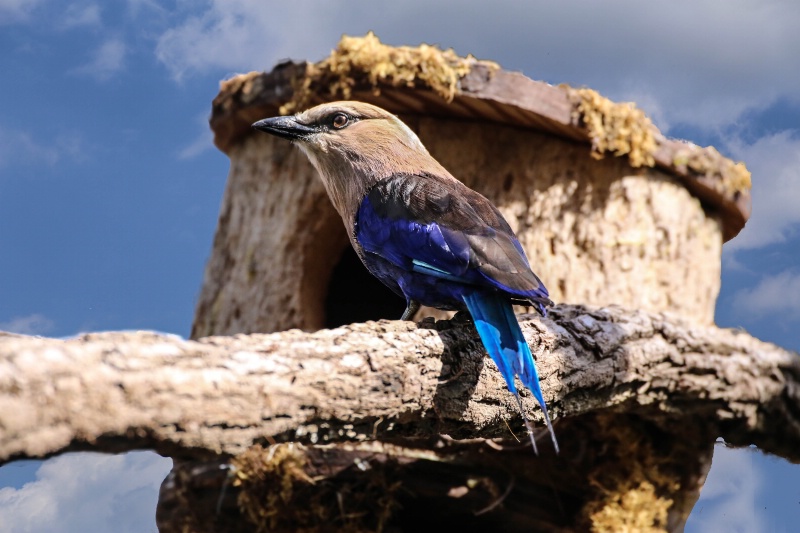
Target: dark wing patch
447 225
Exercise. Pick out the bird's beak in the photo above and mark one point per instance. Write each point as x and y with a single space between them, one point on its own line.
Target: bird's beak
285 127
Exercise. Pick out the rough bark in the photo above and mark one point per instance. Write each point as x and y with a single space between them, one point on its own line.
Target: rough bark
385 380
396 425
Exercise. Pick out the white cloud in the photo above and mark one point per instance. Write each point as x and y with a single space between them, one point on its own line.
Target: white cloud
204 140
135 7
241 35
728 499
21 147
78 16
35 324
774 295
701 62
82 492
106 61
774 162
12 11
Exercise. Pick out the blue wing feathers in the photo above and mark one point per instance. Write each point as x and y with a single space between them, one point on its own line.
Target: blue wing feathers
402 241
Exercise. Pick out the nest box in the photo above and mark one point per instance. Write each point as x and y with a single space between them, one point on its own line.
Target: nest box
609 211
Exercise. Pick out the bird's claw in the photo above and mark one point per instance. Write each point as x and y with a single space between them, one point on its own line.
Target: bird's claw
411 309
462 317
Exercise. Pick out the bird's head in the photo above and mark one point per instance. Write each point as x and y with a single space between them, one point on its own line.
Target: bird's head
353 145
354 131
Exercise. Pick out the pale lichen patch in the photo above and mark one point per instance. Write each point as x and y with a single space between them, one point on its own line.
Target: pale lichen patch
619 128
367 60
636 482
636 509
724 174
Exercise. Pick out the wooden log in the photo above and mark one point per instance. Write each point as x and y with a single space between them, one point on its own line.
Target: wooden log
382 381
638 398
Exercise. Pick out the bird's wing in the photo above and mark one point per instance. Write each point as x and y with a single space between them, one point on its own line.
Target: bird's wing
439 225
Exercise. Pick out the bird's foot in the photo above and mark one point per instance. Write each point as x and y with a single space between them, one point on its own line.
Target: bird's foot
411 309
462 318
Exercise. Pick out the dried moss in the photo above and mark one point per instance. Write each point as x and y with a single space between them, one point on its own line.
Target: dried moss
619 128
268 479
244 86
725 175
637 509
632 485
623 129
365 60
277 494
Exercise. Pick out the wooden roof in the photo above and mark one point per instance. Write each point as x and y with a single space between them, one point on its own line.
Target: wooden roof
481 90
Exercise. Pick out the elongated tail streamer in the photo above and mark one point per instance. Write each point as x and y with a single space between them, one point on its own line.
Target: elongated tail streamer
501 335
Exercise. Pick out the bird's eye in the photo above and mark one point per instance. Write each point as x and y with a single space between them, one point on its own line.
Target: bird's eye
340 120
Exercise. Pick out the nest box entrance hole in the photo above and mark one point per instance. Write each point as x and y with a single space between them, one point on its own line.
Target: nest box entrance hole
354 295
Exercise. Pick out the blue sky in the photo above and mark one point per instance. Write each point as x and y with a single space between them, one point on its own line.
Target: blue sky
110 185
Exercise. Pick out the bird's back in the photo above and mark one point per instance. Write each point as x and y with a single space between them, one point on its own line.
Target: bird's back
435 226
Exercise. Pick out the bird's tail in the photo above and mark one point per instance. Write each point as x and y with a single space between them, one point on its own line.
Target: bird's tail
501 335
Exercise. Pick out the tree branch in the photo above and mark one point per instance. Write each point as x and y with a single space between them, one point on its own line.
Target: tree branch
120 391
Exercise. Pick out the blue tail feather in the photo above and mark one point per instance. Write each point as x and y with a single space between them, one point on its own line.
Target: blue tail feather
501 335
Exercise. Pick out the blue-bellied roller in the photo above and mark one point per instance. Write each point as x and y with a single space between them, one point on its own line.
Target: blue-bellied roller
424 234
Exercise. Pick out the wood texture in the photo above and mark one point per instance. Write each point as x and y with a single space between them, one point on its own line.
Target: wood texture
386 380
277 241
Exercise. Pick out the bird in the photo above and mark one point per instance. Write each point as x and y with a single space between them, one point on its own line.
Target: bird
422 232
